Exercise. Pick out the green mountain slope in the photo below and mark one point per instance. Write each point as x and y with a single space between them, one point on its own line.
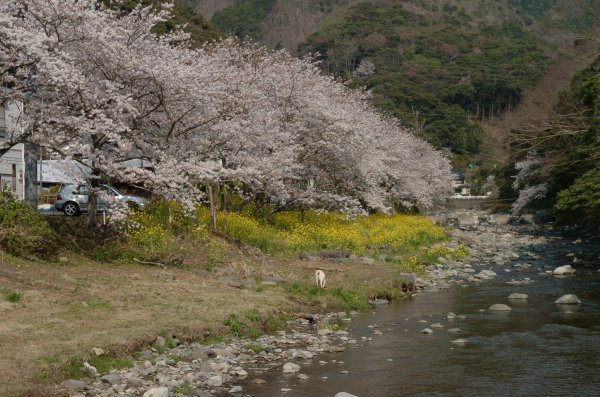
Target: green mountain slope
440 66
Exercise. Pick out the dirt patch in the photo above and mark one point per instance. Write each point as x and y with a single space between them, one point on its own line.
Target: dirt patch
69 307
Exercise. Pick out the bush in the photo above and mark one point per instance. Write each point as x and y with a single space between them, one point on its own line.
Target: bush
22 230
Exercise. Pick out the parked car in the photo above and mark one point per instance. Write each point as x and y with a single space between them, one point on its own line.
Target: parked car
73 199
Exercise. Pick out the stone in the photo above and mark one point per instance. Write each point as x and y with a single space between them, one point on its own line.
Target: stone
499 219
157 392
467 220
454 330
236 389
516 295
378 302
499 307
427 331
111 378
303 377
305 354
460 341
365 260
344 394
215 381
335 349
486 274
289 368
241 373
134 382
564 270
160 341
324 332
73 384
97 351
568 299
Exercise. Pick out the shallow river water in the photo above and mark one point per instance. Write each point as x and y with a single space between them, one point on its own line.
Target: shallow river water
539 348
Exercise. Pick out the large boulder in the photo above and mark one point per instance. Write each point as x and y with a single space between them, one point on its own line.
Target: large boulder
568 299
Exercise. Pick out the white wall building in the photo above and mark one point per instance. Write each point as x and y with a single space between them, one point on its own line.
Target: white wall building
15 175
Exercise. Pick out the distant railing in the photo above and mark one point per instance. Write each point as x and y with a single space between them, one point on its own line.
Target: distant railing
469 197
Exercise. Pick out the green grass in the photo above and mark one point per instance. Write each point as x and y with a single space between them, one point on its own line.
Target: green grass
184 388
355 298
255 347
106 364
13 296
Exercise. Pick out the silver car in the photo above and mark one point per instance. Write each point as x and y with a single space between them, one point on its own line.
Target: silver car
73 199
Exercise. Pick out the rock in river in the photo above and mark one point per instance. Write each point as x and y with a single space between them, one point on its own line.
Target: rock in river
563 270
516 295
499 307
568 299
289 368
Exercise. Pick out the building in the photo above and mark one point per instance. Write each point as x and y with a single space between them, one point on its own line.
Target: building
18 165
459 185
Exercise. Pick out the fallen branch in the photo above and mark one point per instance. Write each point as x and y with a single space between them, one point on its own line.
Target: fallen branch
150 263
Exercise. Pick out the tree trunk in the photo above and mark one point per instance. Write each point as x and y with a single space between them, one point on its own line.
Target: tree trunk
213 207
92 218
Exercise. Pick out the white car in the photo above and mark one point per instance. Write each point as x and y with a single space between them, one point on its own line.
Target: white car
73 200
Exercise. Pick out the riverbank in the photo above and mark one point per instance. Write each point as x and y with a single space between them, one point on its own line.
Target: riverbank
122 308
58 312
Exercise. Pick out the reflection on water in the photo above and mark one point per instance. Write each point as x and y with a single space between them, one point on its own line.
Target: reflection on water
537 349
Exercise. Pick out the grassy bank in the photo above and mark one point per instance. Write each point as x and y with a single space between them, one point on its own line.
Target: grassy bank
94 294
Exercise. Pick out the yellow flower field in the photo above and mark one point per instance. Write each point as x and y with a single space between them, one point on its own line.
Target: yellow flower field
285 233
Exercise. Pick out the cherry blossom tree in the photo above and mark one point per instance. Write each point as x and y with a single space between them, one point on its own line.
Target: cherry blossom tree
529 182
101 89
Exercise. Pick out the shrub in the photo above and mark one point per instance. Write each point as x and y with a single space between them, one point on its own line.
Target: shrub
22 230
13 296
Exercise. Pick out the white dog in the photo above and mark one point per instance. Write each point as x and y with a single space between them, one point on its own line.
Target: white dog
320 278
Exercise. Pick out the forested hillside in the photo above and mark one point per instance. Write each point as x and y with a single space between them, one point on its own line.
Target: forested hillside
563 164
446 68
440 66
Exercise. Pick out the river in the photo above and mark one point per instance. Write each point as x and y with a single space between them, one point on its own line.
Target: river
539 348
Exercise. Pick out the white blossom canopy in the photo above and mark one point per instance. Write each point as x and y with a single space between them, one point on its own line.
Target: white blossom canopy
101 88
